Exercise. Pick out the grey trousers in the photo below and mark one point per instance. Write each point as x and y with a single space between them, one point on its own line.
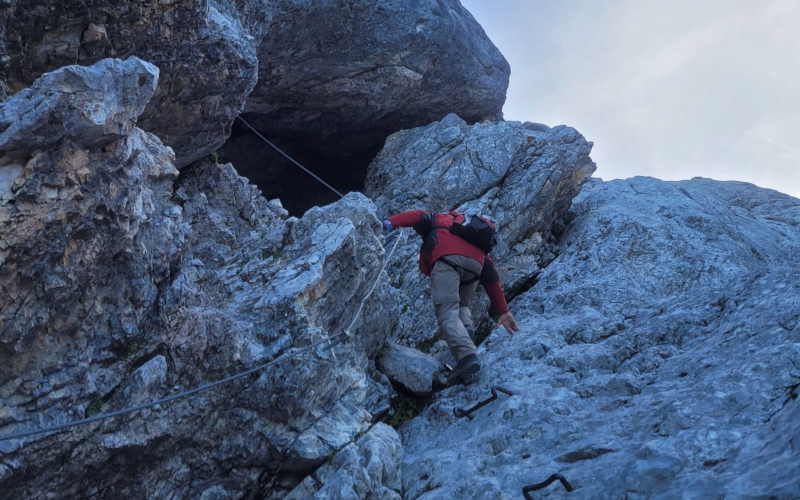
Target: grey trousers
451 301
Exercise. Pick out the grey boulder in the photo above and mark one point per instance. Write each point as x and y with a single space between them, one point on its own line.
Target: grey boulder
412 370
339 78
366 469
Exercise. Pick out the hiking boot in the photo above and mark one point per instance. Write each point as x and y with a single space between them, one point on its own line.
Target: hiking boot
466 371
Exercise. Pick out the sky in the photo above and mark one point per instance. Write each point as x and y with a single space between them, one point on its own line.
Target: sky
669 89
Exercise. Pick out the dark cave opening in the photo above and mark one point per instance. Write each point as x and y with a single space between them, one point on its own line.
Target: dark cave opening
278 177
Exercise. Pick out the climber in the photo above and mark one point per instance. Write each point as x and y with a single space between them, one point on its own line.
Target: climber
455 267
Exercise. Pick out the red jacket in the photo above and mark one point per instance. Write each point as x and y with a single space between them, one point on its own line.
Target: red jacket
438 241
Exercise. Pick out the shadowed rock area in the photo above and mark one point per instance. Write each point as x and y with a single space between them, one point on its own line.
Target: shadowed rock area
207 61
336 79
278 177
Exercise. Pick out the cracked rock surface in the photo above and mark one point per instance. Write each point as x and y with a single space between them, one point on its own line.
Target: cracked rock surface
521 175
124 283
658 358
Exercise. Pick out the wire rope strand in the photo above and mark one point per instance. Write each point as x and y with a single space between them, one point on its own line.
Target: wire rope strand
225 380
172 397
375 282
309 172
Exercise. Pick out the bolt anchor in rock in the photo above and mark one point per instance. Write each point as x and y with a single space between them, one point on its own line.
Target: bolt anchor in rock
460 412
545 484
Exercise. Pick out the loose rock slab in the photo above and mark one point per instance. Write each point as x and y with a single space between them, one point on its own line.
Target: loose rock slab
412 370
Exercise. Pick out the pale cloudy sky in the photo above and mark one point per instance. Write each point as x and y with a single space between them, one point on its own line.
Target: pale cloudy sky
670 89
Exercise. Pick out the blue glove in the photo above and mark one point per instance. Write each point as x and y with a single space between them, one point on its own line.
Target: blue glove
387 225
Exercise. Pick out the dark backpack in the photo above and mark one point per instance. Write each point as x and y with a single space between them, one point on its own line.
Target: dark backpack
479 231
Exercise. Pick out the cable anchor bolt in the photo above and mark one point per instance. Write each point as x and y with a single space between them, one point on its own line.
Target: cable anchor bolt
460 412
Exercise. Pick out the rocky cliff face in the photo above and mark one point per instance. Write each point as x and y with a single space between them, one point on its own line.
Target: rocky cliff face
87 233
657 357
523 175
122 285
658 354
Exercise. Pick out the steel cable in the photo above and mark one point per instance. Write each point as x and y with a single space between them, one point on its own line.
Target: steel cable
309 172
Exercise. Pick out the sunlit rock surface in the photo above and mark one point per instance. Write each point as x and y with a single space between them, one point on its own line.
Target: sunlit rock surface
658 357
521 175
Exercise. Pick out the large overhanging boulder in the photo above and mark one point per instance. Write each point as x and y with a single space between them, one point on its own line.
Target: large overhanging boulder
340 78
117 290
207 60
522 175
336 79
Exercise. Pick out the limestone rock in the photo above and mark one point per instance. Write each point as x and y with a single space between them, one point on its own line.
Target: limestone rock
658 354
335 80
64 103
88 232
522 175
339 79
207 60
366 469
657 357
75 208
123 284
412 370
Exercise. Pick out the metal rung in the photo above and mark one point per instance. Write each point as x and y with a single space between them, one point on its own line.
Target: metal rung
545 484
460 412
